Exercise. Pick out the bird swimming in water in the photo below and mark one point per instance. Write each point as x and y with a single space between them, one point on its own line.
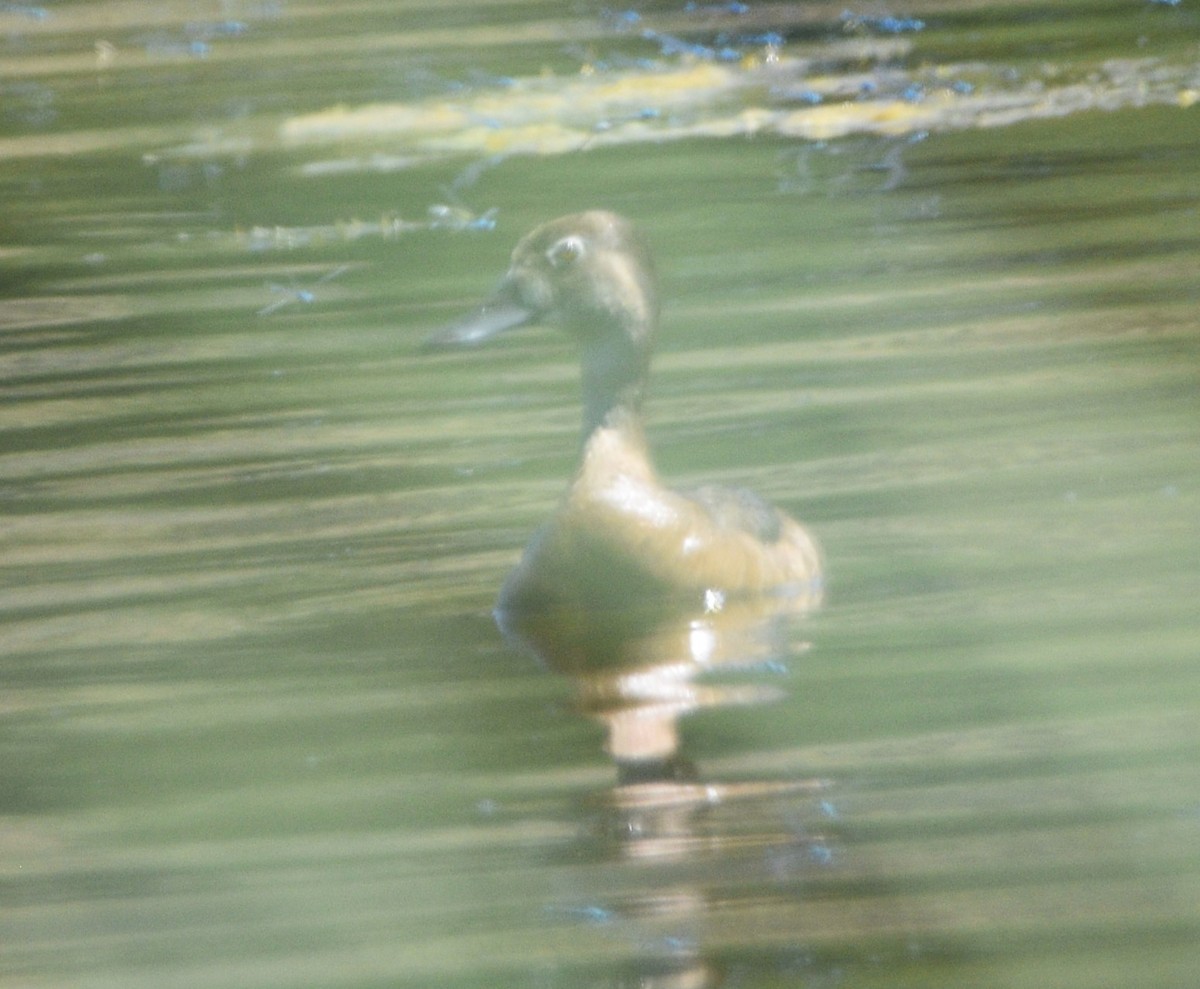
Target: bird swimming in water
621 538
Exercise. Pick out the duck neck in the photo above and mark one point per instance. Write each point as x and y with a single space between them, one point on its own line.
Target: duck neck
614 373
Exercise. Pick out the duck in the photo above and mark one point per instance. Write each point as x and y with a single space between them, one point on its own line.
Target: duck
620 537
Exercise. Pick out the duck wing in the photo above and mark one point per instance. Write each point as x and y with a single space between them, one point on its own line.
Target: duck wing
739 510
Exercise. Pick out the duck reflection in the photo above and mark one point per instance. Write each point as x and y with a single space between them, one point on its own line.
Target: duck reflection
657 603
639 670
666 848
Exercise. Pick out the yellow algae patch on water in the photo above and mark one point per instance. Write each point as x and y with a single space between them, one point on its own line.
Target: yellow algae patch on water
688 85
892 117
543 138
586 99
549 114
340 123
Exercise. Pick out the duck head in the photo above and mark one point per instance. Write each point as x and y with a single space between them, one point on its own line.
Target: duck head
591 275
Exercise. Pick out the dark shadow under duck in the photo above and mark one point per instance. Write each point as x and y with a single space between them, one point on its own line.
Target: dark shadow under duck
620 537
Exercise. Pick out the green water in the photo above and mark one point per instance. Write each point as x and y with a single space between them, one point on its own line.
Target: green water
257 726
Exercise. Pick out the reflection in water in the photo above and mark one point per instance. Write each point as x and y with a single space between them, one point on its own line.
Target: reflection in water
665 847
637 669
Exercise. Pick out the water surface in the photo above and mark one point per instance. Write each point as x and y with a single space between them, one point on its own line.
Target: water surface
931 286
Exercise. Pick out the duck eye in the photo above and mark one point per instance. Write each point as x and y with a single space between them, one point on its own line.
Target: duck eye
565 252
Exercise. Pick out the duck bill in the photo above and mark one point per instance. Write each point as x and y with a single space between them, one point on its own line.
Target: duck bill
500 313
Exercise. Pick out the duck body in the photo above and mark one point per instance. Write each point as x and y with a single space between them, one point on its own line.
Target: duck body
619 536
